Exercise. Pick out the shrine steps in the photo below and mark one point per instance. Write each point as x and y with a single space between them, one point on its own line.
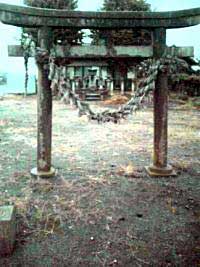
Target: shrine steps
92 97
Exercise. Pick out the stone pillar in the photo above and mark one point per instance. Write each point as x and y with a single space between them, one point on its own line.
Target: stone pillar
7 230
84 83
160 166
122 87
64 71
133 86
73 86
108 83
111 87
100 84
44 103
76 84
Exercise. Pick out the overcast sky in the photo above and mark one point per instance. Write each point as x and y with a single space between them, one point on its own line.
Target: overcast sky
179 37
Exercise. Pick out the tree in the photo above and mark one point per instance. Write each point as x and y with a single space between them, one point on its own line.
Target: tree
123 37
60 36
125 5
55 4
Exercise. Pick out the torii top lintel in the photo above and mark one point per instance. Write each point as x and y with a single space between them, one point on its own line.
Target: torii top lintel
37 17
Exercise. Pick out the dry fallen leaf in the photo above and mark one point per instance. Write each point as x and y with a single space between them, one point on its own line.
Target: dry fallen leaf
129 169
173 210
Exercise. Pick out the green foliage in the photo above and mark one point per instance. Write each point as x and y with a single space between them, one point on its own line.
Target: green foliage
182 76
55 4
125 5
60 36
123 37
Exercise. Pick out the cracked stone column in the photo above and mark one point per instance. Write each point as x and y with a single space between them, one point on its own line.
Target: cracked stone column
160 166
44 103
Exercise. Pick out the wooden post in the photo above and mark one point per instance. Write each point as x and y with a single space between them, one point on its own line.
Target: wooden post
44 101
160 166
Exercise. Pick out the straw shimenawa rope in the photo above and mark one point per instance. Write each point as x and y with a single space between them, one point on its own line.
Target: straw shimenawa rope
150 67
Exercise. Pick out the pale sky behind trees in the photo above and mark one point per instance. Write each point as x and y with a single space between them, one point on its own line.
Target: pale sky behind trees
179 37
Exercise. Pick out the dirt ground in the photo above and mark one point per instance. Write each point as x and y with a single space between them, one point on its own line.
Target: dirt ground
101 209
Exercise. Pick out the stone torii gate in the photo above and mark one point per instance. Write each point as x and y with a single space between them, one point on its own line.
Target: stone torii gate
46 20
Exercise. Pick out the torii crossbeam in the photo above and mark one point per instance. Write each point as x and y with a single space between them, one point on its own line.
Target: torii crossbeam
47 19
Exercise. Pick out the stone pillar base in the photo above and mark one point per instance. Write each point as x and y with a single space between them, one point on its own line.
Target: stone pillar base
7 230
156 171
36 173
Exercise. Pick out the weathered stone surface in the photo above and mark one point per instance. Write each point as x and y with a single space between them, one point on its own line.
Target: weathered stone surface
91 51
7 229
44 135
160 165
159 42
37 17
102 52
